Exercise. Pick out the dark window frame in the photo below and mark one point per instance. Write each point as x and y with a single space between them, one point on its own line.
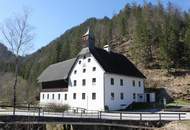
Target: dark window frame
121 82
121 96
74 96
94 69
112 81
112 96
83 96
139 83
65 96
75 83
93 96
84 70
59 96
93 81
84 82
134 96
133 82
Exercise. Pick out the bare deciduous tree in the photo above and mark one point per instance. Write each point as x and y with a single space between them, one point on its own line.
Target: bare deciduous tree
17 34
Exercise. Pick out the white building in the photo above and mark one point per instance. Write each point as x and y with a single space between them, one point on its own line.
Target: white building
96 79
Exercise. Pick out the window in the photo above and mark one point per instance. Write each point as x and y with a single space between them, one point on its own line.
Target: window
134 96
47 96
93 96
52 96
74 95
89 59
121 82
84 57
133 83
79 61
139 83
94 69
83 82
43 96
75 83
112 96
59 96
65 96
84 70
112 81
121 96
83 96
75 71
93 81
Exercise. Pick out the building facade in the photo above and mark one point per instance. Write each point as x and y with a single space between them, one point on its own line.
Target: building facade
97 79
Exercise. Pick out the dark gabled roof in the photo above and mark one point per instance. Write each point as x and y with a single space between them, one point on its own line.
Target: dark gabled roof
115 63
58 71
111 62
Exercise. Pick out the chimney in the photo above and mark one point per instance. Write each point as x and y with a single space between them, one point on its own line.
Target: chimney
88 39
107 48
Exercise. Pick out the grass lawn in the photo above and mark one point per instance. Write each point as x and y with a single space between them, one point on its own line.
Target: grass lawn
143 106
179 102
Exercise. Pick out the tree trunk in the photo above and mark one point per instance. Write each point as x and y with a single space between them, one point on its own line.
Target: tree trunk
14 86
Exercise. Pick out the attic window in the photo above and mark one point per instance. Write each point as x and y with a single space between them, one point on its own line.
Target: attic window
84 57
79 61
94 69
139 83
133 83
84 70
75 71
112 81
89 59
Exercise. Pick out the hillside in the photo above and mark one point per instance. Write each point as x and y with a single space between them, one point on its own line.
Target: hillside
6 59
155 38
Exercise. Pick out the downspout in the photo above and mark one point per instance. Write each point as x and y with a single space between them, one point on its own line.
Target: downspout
104 93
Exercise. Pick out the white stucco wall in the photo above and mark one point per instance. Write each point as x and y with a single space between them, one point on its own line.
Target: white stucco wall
102 88
127 89
152 97
56 100
89 88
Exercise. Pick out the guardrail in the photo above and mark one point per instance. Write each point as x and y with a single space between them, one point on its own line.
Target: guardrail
111 115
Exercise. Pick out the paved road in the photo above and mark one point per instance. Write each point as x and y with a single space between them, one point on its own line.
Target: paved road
110 116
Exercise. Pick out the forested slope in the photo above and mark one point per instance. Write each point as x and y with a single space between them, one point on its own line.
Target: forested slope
153 37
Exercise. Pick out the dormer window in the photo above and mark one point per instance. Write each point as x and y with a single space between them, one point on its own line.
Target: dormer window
89 59
79 61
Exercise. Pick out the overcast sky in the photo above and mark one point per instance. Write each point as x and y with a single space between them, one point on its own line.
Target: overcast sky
51 18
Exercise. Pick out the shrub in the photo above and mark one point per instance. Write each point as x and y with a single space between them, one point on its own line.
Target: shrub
52 107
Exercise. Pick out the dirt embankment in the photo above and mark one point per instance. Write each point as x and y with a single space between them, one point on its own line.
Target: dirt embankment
177 125
177 84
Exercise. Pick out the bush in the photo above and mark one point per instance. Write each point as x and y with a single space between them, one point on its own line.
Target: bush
52 107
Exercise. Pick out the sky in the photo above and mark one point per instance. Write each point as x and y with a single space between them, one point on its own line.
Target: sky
51 18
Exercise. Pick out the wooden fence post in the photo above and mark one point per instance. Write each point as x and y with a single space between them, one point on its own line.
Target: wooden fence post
179 116
141 116
160 117
100 114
